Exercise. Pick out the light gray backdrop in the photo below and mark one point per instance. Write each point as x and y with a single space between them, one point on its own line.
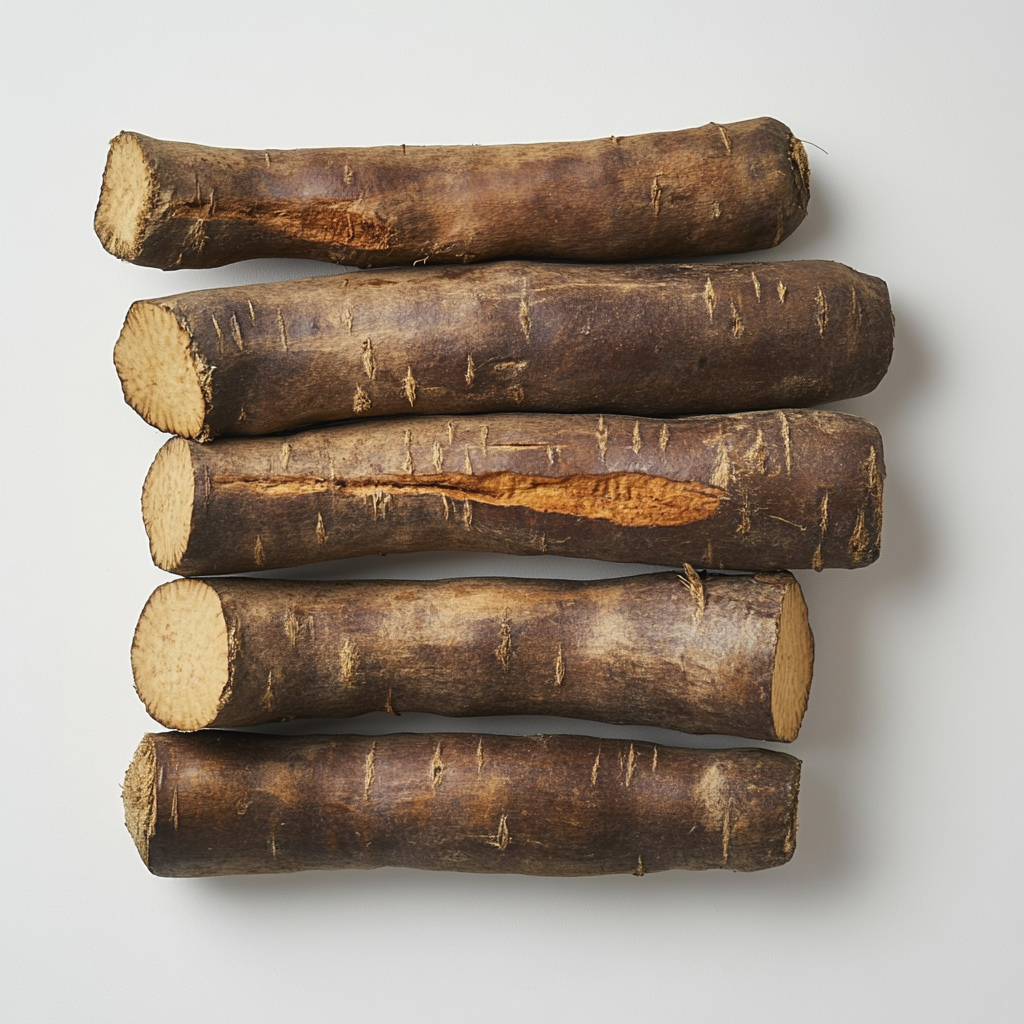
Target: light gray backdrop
903 900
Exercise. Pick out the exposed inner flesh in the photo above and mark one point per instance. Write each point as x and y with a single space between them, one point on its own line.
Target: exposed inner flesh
126 198
160 379
180 655
139 796
794 664
167 498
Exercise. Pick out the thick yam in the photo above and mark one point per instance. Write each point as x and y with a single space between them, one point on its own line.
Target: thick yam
717 189
725 654
217 803
791 489
655 340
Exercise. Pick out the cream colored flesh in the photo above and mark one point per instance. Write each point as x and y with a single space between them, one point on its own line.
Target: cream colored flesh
139 796
180 655
167 498
126 198
161 381
794 665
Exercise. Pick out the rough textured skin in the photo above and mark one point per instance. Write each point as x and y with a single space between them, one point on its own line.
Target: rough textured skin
716 189
232 803
756 491
665 649
651 340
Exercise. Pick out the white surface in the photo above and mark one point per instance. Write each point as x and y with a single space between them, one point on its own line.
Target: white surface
903 900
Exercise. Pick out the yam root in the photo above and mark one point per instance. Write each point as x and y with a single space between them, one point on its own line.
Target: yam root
791 489
725 654
221 803
717 189
654 340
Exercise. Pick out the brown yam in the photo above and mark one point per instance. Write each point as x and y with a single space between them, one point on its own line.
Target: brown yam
652 340
220 803
725 654
717 189
791 489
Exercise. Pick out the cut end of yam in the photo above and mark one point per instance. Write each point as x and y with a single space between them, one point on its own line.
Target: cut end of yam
794 665
181 655
127 197
801 169
167 498
159 375
139 796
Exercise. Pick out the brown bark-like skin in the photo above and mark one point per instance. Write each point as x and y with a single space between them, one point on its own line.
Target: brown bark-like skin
231 803
665 649
715 189
791 489
655 340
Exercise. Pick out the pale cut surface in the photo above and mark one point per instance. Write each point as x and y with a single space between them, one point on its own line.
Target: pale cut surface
794 665
167 498
180 655
159 376
139 796
126 198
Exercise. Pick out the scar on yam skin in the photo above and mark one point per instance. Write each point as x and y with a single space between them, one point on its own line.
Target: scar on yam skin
755 491
717 189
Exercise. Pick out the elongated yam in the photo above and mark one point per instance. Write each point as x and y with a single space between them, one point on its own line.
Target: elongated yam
716 189
218 803
725 654
651 340
790 489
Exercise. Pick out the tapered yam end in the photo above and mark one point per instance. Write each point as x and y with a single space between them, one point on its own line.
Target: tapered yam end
794 665
160 377
127 198
180 655
167 498
139 796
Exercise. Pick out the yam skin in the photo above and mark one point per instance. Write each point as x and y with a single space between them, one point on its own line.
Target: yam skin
717 189
725 654
791 489
220 803
654 340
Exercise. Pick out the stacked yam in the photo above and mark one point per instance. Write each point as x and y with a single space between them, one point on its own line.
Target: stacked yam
706 191
650 413
722 654
790 488
641 340
222 803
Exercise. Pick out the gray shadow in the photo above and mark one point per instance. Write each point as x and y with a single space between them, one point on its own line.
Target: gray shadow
817 234
906 534
249 272
377 723
842 606
433 565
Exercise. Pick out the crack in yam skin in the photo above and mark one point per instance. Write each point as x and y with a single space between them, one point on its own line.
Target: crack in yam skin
626 499
327 221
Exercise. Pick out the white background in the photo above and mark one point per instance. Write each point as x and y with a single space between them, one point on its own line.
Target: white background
903 900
